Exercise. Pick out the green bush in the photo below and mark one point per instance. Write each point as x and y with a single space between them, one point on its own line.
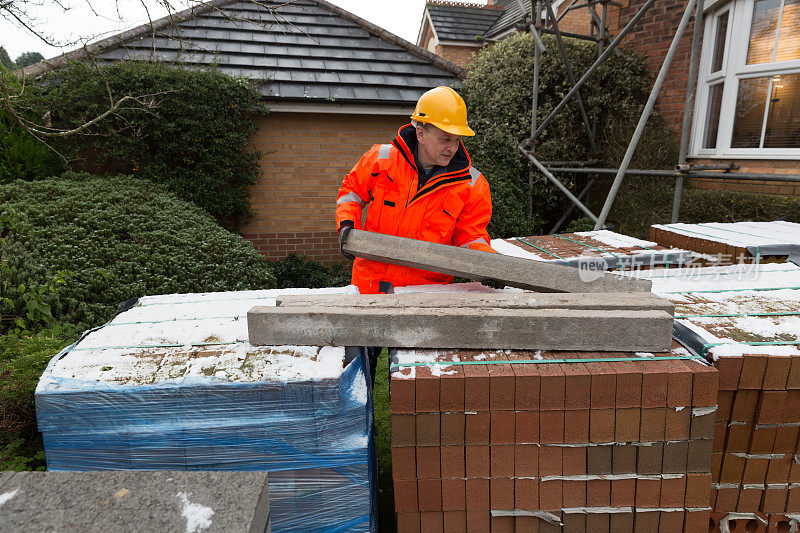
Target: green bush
188 129
22 361
22 156
498 92
112 239
697 205
296 271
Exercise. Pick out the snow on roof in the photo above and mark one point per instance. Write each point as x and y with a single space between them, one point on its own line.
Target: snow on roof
191 336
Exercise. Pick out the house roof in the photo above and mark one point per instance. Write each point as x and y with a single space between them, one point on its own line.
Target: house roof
514 13
304 50
454 22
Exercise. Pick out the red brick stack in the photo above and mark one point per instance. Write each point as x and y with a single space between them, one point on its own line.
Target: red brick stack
753 465
595 446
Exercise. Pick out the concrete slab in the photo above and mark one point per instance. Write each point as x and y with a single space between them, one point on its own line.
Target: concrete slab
479 266
645 301
125 501
479 328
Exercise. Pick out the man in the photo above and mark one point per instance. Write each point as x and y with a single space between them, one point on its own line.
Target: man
421 186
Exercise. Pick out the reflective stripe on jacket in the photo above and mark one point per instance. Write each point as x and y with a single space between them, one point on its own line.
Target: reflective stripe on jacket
453 207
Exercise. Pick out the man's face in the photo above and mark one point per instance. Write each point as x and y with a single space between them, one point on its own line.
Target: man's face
436 147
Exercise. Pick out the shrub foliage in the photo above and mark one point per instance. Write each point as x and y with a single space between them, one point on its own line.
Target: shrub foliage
296 271
111 239
187 129
498 91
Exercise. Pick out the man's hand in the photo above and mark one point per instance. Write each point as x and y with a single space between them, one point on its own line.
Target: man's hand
344 229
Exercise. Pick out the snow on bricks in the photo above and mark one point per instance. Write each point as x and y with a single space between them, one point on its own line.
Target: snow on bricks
586 445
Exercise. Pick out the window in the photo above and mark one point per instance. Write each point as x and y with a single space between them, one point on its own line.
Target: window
748 97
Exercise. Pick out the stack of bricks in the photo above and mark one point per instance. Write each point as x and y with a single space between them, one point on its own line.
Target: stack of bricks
587 446
754 467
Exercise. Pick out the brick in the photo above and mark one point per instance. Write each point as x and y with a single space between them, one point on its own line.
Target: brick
729 369
578 385
573 493
601 425
526 460
452 428
408 522
454 495
600 523
405 495
646 521
675 456
629 384
551 460
598 493
501 385
749 499
669 521
627 424
431 522
679 385
476 427
726 499
476 388
753 367
720 432
477 461
576 426
793 379
527 426
426 391
705 383
623 492
502 427
678 422
453 521
776 373
623 459
755 471
502 524
478 521
775 499
526 493
429 462
716 465
732 468
786 439
529 524
791 411
621 522
604 385
648 492
428 429
430 494
702 424
649 458
573 460
451 390
778 469
553 387
403 430
654 384
526 384
793 502
550 495
403 396
551 426
653 424
501 493
453 462
698 490
598 459
762 440
724 406
673 492
739 437
404 462
501 459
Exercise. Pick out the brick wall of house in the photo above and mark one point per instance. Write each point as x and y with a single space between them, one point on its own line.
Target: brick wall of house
460 55
294 200
767 166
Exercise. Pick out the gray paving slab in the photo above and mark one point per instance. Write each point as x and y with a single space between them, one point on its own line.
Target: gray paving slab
597 301
475 328
124 501
476 265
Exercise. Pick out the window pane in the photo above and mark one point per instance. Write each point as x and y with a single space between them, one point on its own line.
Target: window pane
762 31
719 44
789 41
750 102
712 116
783 120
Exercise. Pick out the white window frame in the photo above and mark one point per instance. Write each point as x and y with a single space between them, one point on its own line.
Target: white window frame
734 68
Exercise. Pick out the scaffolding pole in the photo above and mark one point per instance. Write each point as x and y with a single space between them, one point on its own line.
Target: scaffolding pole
648 108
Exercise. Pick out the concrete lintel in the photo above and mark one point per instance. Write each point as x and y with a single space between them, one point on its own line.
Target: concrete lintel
476 265
592 301
468 328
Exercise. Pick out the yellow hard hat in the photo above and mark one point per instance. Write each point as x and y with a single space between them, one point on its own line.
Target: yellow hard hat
444 108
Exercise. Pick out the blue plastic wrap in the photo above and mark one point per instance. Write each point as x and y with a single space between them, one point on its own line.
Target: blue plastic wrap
314 437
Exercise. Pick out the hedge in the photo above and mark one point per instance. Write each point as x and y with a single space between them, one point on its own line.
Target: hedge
498 91
188 129
112 239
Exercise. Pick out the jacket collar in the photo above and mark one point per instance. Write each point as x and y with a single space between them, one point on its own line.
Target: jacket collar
406 142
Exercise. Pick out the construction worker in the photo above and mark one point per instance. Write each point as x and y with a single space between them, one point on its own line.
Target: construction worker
421 186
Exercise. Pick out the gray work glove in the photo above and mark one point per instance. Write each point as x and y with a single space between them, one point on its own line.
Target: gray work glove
344 229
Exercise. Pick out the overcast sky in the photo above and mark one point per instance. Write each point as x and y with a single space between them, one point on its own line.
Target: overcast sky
401 17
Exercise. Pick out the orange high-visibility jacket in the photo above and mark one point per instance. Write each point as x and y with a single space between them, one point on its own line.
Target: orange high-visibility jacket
452 207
